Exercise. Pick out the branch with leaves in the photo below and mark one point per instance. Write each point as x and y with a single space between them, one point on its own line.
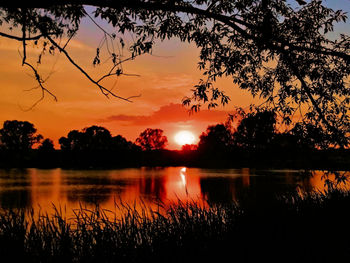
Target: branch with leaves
280 53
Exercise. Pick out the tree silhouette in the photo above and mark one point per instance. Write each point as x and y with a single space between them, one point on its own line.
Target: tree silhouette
309 136
122 144
216 139
281 53
46 146
189 147
287 143
92 138
94 146
256 130
152 139
72 141
18 136
46 156
95 139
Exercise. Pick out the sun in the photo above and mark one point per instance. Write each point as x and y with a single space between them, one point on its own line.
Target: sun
184 137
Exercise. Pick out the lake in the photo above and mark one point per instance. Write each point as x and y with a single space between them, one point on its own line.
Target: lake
71 189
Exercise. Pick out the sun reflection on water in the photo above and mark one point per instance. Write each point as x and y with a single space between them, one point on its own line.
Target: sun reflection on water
183 178
73 188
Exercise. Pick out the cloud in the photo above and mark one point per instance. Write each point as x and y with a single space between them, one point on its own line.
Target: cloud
10 45
169 114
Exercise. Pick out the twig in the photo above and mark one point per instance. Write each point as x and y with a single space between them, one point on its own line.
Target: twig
25 63
104 90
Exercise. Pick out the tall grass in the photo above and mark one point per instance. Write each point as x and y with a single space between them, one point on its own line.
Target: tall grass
308 228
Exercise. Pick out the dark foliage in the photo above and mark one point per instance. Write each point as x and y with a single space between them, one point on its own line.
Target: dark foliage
46 146
189 147
93 138
95 146
18 136
152 139
256 131
217 139
46 155
310 136
16 141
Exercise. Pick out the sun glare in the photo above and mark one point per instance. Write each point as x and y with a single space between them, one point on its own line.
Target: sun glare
184 137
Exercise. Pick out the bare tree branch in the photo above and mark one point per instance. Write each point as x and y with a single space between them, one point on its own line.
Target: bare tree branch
104 90
24 62
26 38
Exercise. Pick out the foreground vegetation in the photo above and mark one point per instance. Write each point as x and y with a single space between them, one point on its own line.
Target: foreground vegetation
309 228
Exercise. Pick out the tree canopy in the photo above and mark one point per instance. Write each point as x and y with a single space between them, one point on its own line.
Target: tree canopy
152 139
256 130
279 51
46 146
18 136
94 139
216 139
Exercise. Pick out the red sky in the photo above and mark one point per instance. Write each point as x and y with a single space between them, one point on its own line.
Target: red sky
165 78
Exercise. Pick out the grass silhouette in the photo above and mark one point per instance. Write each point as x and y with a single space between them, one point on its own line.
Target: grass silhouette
295 228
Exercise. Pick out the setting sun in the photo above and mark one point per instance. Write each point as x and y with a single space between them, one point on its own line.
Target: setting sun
184 137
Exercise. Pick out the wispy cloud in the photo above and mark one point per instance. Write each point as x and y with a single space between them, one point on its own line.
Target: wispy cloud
168 114
14 45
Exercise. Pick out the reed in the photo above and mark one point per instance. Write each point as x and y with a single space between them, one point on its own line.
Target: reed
294 228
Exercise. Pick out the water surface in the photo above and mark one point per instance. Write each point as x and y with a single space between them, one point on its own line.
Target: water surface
70 189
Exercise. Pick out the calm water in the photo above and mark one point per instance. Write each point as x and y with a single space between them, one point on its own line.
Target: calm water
69 189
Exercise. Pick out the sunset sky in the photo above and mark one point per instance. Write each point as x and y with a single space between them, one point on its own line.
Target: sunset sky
165 78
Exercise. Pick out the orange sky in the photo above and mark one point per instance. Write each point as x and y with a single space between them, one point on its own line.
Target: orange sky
165 78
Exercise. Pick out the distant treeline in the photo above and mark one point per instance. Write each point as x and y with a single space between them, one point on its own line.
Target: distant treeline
253 141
